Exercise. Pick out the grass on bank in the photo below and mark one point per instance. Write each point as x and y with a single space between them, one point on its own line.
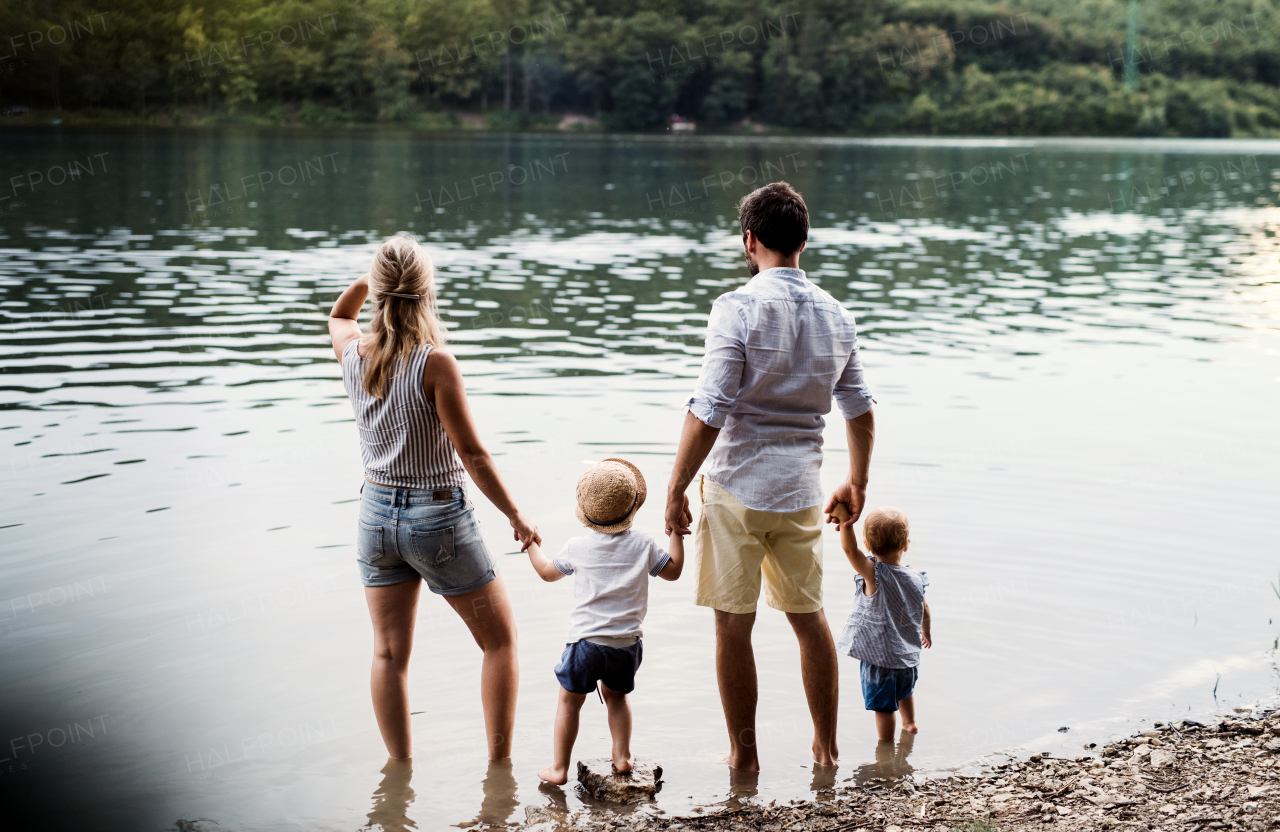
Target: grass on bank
310 114
977 826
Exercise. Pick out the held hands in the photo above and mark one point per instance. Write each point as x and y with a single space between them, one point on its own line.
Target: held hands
525 531
850 495
678 516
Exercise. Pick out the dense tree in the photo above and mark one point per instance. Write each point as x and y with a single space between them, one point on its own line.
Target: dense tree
919 66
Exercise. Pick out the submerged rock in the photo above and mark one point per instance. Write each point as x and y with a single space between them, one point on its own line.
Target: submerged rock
602 782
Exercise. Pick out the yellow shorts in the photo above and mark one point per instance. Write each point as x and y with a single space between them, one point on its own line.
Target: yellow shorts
734 546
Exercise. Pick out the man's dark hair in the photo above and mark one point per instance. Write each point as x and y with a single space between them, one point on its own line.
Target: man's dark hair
777 215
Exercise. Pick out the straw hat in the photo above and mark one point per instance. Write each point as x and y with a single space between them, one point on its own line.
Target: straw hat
609 495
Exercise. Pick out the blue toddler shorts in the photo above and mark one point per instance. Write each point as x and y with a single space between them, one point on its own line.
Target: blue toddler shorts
884 687
584 663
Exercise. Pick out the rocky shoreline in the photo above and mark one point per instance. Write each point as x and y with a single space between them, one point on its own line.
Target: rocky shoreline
1177 777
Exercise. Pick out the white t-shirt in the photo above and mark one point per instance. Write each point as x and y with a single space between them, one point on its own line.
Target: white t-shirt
611 581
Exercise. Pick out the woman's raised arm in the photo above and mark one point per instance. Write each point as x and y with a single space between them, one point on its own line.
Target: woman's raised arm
343 327
442 383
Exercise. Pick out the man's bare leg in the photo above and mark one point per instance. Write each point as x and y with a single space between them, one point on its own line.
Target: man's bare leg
821 681
736 673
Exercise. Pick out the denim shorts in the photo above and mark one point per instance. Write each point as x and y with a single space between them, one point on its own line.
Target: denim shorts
405 533
884 687
584 663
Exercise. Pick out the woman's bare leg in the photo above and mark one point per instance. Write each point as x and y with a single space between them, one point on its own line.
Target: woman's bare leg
392 610
487 613
568 708
619 727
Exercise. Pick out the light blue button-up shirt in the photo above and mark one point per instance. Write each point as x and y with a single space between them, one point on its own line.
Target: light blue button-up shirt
778 350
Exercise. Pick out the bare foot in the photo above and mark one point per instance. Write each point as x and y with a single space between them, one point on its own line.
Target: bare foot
622 767
910 728
825 758
744 763
554 776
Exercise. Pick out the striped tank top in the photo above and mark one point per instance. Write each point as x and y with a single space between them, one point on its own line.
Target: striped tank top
402 442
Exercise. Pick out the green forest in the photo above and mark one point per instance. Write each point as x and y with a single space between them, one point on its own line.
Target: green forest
918 67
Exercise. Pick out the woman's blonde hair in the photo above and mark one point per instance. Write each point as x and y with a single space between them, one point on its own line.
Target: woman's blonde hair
402 283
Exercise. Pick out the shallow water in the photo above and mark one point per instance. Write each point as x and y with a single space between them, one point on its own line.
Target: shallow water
1077 378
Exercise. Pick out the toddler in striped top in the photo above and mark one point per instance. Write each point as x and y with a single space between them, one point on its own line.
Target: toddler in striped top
889 623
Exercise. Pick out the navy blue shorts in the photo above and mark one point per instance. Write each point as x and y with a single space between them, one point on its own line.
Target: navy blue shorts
584 663
884 687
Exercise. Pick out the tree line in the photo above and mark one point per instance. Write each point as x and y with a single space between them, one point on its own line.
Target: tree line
1180 68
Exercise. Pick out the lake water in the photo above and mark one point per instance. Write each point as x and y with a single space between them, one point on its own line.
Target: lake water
1073 346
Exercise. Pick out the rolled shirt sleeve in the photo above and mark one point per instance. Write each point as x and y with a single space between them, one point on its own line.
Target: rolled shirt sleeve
851 392
722 364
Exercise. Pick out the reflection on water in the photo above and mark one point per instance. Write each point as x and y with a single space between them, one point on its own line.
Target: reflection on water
824 779
1074 357
500 799
393 797
743 785
890 762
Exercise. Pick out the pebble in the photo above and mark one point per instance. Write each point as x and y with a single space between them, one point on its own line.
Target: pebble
1194 780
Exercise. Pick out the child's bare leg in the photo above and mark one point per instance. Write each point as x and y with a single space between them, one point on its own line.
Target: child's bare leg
908 708
566 731
619 727
884 726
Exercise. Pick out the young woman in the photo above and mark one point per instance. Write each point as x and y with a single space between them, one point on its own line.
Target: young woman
416 524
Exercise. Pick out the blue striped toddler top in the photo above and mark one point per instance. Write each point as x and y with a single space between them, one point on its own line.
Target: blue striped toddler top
884 629
402 442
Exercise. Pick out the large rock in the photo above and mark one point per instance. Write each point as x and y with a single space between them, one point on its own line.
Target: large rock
1162 758
603 783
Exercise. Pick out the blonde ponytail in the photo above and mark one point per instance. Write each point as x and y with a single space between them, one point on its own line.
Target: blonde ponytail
402 284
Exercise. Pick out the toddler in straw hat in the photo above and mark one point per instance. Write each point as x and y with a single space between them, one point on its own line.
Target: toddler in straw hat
611 565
